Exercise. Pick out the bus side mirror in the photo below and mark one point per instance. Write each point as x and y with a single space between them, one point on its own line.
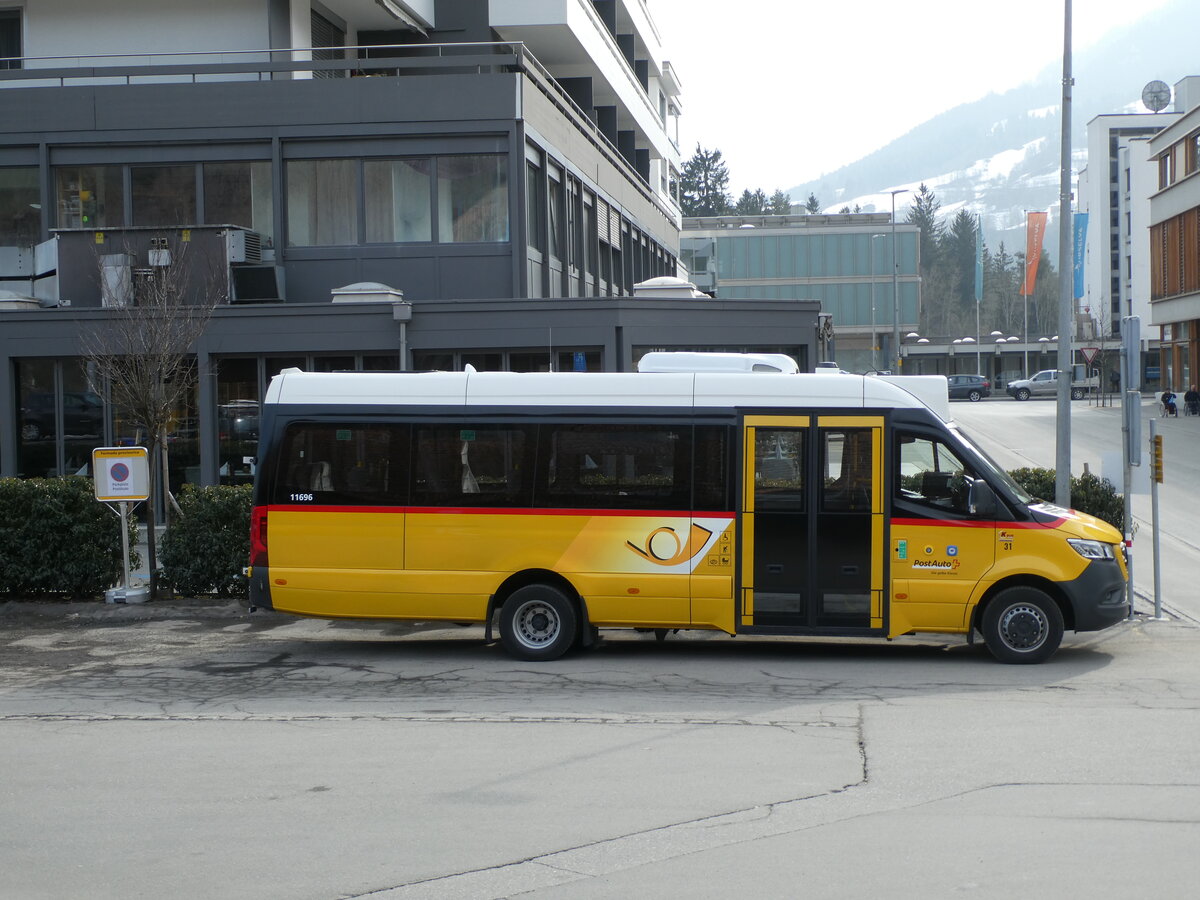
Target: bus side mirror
981 499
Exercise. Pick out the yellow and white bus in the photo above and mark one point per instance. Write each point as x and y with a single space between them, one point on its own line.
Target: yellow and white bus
749 502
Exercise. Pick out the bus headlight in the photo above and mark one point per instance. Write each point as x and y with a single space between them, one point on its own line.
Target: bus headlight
1091 549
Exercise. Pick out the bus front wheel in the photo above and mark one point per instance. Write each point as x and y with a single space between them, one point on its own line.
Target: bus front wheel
538 622
1022 625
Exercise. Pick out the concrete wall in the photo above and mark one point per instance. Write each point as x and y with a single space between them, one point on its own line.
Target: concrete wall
88 28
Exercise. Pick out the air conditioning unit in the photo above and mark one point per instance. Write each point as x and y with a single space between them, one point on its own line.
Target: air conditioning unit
116 279
243 246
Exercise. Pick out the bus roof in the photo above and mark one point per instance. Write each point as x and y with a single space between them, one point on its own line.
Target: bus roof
612 389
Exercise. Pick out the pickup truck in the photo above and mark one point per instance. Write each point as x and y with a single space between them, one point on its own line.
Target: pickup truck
1045 384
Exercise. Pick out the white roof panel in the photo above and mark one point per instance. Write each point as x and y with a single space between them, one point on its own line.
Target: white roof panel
711 390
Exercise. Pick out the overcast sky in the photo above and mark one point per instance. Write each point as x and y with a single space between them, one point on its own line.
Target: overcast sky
790 89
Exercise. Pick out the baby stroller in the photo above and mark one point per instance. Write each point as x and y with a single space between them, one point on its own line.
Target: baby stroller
1169 408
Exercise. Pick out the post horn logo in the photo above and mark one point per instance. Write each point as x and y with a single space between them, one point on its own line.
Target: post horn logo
664 547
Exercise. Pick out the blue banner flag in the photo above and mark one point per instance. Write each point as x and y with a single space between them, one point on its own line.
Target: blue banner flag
1081 223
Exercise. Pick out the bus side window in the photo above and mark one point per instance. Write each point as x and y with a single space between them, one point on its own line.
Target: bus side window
472 465
930 473
345 463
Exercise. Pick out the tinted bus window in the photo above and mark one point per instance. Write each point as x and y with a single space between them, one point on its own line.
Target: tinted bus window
616 466
470 465
712 466
345 464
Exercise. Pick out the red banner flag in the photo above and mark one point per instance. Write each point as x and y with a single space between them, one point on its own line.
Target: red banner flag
1035 230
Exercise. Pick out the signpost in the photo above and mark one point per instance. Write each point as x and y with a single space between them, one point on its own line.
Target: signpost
121 475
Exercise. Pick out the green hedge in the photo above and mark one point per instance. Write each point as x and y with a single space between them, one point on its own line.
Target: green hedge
1089 494
206 548
56 538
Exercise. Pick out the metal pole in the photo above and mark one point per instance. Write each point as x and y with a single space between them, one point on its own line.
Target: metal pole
874 360
1126 399
1066 298
1156 464
124 506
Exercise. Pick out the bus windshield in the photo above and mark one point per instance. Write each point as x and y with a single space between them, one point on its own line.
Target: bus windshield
995 474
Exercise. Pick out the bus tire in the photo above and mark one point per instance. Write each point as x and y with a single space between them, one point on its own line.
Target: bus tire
1022 625
538 622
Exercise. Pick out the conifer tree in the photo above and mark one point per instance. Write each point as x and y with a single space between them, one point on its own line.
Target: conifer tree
780 203
704 185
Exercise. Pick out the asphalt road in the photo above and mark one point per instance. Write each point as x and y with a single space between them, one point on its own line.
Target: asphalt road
185 751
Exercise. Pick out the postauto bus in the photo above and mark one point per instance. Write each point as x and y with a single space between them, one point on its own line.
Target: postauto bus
551 505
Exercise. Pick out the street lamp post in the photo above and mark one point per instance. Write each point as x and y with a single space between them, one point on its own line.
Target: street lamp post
874 336
895 288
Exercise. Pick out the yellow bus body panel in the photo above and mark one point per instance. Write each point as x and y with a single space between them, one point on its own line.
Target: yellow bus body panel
630 569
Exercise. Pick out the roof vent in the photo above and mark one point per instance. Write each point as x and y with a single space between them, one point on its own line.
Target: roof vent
367 292
686 361
668 287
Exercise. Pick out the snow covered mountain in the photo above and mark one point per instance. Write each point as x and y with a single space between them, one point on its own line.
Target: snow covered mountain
999 156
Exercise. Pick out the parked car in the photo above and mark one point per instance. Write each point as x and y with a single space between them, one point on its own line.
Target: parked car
969 387
1045 384
83 415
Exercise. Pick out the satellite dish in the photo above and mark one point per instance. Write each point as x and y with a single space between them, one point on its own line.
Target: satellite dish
1156 95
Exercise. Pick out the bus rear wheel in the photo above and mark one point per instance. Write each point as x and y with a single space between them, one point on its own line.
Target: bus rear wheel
538 622
1022 625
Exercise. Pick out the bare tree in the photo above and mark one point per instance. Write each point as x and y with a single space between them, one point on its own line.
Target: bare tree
140 354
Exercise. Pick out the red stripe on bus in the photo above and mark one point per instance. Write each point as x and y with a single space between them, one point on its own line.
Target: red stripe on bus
966 523
502 511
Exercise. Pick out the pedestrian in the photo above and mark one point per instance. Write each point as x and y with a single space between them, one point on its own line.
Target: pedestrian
1191 401
1168 404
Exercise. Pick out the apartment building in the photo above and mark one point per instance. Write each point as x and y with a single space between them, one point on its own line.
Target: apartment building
362 184
1175 239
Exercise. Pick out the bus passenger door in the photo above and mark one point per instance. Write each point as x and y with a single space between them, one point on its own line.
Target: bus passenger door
812 524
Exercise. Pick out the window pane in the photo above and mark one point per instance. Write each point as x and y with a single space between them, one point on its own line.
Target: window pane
779 469
712 465
10 38
398 200
237 418
348 464
556 218
931 474
239 193
472 198
36 456
321 202
847 469
20 223
90 197
471 466
617 467
163 195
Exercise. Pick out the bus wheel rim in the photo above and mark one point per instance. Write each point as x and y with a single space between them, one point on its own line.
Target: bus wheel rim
537 624
1024 627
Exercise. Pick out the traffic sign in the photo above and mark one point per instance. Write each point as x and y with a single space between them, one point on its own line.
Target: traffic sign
121 473
1089 353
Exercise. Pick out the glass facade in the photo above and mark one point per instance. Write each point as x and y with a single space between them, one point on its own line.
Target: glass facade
90 196
20 207
399 207
239 193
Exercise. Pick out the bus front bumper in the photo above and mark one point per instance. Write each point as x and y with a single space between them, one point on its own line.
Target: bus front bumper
1098 596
